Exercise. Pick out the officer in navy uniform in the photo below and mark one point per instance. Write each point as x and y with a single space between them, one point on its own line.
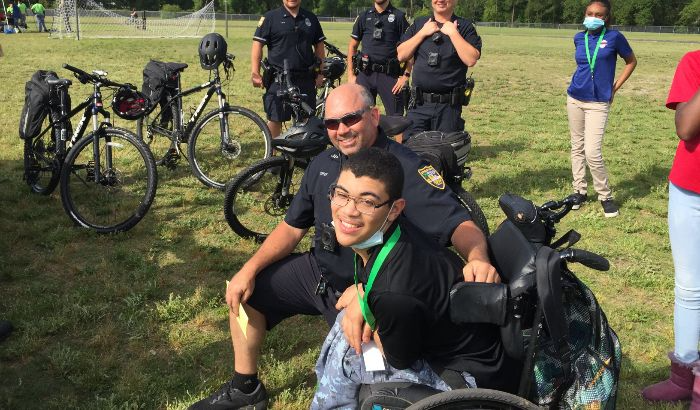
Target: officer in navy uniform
376 67
294 34
443 46
275 283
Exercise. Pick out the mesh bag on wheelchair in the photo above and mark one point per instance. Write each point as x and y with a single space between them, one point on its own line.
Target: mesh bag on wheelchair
595 355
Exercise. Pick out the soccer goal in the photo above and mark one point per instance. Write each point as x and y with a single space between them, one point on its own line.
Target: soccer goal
88 19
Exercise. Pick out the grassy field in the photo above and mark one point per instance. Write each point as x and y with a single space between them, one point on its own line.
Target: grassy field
137 320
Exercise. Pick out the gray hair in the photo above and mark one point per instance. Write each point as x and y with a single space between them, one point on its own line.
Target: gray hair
366 97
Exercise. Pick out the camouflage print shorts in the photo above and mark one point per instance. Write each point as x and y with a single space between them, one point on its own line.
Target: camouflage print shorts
341 372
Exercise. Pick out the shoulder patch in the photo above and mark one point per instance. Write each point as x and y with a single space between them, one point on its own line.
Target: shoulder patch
260 22
432 177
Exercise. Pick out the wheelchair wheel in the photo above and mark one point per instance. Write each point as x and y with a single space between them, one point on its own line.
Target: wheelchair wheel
467 399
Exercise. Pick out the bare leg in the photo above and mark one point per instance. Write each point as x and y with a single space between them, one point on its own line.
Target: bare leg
246 349
275 128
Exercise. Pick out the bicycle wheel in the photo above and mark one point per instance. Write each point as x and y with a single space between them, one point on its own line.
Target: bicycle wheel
467 399
257 199
468 201
126 184
214 163
42 169
158 132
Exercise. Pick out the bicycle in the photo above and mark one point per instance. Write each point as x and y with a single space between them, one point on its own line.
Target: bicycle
260 195
526 326
108 177
220 142
333 69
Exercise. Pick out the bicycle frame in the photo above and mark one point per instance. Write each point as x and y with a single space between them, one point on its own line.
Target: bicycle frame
213 87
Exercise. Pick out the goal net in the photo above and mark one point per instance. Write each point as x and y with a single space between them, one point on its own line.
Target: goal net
88 19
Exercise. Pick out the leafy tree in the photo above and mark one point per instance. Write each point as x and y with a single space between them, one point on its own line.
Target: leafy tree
690 15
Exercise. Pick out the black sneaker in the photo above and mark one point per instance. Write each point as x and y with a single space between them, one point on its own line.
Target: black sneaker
229 398
579 199
610 208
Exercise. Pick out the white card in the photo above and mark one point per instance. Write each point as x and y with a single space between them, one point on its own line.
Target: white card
374 361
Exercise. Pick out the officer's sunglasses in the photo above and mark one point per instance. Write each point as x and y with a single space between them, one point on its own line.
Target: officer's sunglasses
348 120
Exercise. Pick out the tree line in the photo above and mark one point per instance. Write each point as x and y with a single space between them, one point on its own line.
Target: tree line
625 12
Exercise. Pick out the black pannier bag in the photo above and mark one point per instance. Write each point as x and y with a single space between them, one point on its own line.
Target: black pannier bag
159 80
36 104
445 151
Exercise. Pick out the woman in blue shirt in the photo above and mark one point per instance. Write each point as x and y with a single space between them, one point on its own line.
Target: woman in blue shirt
590 94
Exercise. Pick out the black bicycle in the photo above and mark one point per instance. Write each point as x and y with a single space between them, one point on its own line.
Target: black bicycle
257 199
220 142
108 177
333 68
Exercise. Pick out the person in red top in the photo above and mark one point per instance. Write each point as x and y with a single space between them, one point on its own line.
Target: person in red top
684 231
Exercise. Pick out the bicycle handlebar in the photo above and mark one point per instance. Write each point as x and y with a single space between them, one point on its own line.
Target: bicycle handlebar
85 78
334 50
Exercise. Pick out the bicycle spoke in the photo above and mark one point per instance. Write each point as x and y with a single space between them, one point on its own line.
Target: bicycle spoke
215 161
120 191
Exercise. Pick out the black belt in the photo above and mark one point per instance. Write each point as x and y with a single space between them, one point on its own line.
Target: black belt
379 68
435 98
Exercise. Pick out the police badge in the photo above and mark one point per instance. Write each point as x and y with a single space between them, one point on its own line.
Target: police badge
307 22
391 18
432 177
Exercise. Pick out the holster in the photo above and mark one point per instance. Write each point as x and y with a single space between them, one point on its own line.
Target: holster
406 94
268 75
468 88
393 68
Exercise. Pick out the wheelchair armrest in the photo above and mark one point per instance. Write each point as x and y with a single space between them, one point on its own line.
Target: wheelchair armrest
479 303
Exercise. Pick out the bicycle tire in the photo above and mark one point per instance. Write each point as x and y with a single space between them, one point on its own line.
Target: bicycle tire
158 137
112 205
467 201
467 399
42 170
214 164
256 201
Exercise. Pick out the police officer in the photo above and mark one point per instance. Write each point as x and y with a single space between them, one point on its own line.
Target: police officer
275 283
376 67
442 46
294 34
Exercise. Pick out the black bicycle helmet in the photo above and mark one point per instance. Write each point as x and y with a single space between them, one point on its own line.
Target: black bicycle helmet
212 51
333 68
130 104
305 140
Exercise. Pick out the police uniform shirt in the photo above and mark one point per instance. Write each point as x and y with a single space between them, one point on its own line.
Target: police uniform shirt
393 23
429 204
451 72
289 37
410 300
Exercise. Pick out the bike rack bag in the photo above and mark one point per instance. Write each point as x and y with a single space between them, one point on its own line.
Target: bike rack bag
36 104
158 75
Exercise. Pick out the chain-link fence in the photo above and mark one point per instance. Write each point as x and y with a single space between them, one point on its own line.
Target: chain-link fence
639 29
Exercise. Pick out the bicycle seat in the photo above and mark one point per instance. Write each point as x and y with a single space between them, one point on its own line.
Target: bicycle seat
393 124
176 66
61 82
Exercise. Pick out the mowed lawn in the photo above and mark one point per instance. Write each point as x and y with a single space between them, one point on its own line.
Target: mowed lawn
138 320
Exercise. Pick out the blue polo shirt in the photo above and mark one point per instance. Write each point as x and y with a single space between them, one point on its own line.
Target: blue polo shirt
598 87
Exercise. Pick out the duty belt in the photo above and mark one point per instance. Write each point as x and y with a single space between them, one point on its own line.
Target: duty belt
435 98
379 68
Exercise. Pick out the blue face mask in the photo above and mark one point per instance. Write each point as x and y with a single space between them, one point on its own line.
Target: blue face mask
377 238
593 23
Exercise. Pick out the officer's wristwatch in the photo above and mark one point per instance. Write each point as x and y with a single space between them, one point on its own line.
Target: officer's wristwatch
407 74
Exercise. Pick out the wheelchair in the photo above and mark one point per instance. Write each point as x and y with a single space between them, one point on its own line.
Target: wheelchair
523 250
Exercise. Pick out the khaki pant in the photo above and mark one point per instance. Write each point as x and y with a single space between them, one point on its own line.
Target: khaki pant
587 122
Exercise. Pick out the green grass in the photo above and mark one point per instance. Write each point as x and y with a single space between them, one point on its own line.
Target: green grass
137 320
